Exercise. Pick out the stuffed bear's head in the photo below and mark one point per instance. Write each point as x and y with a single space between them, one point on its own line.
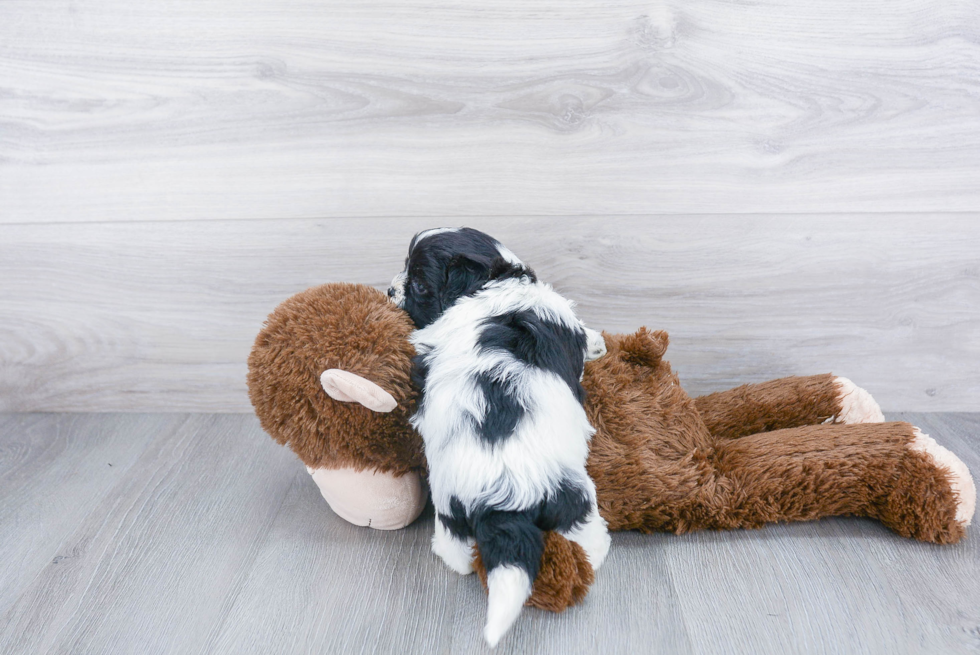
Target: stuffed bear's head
349 341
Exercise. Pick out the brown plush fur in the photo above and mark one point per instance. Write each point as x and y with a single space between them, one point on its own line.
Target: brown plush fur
660 460
350 327
785 403
657 466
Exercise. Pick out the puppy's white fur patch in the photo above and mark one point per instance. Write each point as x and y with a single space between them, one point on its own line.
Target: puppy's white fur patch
593 537
508 256
457 554
548 443
509 587
397 289
960 479
596 345
425 234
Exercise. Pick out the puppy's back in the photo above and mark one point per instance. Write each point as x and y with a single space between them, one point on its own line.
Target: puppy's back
505 432
501 406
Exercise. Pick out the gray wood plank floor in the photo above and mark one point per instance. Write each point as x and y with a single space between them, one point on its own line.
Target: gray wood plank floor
170 533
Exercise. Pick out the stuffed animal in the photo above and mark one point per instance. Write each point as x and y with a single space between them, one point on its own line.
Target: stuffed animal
329 375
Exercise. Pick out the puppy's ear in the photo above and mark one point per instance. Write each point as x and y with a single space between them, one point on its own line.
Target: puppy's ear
501 269
464 275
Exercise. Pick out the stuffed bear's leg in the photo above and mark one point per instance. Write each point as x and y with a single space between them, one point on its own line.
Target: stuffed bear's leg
888 471
786 403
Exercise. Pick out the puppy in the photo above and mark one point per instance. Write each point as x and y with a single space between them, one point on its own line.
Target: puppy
500 358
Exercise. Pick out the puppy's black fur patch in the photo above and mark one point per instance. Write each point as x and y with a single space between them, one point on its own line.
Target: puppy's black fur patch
501 269
442 268
420 371
510 538
540 343
503 411
565 509
516 538
456 521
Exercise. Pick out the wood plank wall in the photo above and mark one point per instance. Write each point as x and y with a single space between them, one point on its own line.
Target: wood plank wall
788 187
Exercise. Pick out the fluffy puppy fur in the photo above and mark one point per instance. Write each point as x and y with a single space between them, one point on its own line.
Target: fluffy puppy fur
500 358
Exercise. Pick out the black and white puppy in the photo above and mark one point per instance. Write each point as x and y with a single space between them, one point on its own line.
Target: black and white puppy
500 358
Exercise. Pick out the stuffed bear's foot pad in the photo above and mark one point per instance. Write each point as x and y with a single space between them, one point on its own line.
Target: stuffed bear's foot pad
856 404
960 479
929 495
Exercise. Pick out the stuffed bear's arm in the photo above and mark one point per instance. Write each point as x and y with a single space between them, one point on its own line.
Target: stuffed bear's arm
786 403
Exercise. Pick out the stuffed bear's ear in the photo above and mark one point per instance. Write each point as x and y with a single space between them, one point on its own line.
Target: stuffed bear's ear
645 348
349 387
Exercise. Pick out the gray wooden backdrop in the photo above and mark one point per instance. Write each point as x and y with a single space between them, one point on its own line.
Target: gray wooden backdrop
787 186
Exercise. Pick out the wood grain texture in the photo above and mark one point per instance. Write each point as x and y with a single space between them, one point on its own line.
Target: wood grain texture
215 540
53 471
115 110
347 591
156 564
161 316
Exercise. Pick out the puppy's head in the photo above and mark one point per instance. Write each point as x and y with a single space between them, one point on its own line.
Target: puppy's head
445 264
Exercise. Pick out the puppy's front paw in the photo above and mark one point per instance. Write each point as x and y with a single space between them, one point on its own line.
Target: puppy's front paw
595 345
856 404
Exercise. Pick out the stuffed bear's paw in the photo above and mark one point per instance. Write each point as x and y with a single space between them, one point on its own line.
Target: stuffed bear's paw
960 480
564 577
856 404
931 496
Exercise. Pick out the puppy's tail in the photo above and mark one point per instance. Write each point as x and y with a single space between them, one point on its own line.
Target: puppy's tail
511 546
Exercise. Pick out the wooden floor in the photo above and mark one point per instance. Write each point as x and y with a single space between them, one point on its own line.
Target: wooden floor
195 533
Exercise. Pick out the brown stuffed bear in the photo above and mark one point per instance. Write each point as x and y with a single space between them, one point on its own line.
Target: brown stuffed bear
329 375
